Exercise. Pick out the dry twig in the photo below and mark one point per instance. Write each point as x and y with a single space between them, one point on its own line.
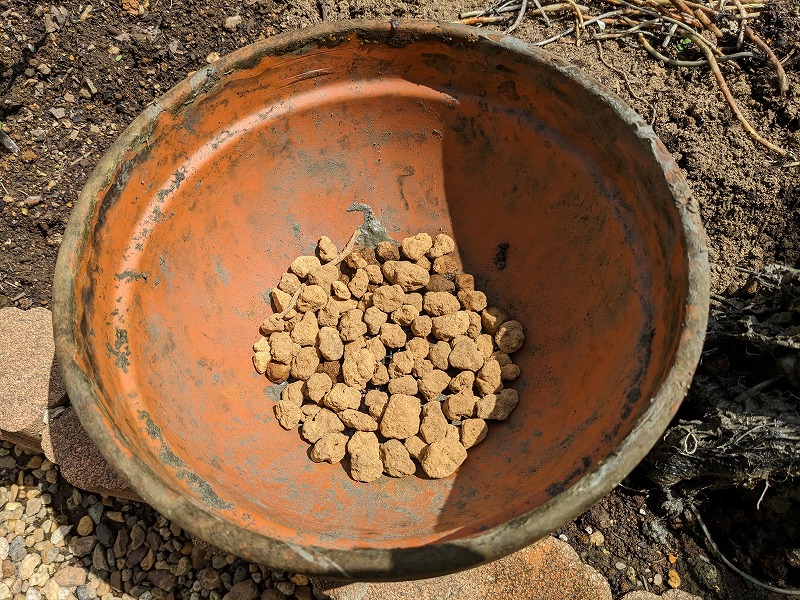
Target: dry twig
292 302
351 243
541 10
690 63
726 93
628 85
523 7
481 20
783 83
742 23
715 549
578 16
509 7
566 32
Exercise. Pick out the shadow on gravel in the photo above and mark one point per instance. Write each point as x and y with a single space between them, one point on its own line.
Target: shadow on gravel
60 543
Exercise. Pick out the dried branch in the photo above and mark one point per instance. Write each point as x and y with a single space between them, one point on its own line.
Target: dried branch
726 93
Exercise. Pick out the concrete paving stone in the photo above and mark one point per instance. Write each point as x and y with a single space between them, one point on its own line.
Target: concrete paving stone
547 570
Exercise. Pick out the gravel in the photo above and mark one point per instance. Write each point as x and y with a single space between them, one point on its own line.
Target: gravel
59 543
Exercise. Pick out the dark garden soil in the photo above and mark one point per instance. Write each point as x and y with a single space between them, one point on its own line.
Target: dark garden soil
74 75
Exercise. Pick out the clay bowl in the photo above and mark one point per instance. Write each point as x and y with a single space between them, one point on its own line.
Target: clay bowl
193 214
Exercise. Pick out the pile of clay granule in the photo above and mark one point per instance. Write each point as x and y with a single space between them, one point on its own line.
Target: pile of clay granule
388 359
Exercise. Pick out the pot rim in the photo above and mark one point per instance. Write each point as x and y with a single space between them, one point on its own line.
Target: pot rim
370 563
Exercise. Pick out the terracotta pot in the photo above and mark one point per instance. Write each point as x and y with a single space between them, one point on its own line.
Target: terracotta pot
193 214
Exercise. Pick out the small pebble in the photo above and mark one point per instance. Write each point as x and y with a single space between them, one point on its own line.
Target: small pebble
596 538
287 587
232 23
673 579
85 526
59 534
